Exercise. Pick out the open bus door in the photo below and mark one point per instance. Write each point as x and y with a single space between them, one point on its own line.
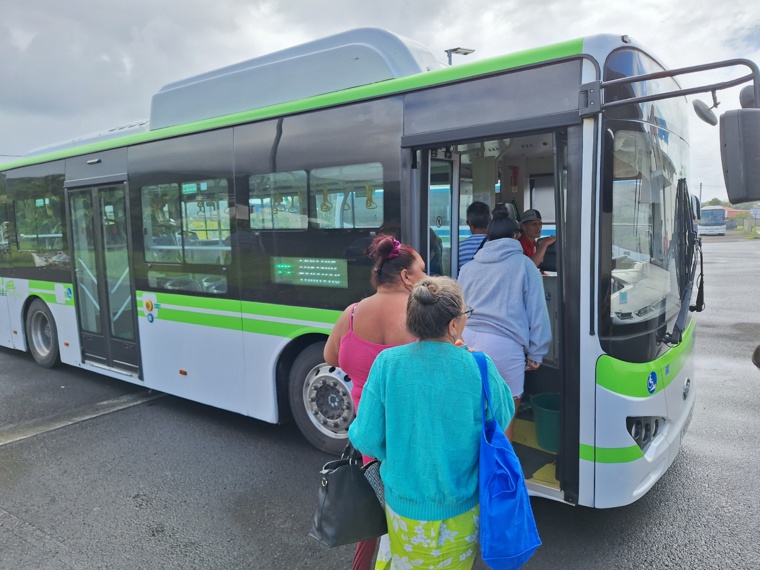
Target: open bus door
449 176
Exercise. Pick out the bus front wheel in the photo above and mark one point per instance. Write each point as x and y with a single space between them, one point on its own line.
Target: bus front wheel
42 334
320 399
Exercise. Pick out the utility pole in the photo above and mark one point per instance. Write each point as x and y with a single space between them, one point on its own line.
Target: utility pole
700 194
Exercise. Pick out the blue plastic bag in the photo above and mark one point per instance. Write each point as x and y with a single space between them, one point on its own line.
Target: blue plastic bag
508 533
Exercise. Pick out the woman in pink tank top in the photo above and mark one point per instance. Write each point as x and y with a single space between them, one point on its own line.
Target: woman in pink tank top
370 326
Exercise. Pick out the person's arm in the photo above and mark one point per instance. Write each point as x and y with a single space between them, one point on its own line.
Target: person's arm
367 431
538 257
539 328
332 346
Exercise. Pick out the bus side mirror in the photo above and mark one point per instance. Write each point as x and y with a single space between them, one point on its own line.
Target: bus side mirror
740 154
696 207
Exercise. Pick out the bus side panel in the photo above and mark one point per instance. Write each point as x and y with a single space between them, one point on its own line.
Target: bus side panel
58 297
17 294
681 392
625 481
658 391
269 329
192 350
6 330
623 472
261 354
66 323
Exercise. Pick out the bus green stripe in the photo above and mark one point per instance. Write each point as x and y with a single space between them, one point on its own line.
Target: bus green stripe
201 303
205 319
326 316
45 290
207 312
610 454
629 379
364 92
247 308
46 285
231 322
286 330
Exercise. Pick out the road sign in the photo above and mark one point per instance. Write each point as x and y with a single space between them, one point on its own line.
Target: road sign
755 212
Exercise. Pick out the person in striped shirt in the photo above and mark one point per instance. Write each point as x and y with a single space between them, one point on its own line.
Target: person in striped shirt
478 217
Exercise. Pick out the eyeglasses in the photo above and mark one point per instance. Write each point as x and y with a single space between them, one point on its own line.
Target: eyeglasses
468 311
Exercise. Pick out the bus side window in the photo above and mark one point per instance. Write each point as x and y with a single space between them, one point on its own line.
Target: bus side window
349 196
159 227
40 224
205 222
277 201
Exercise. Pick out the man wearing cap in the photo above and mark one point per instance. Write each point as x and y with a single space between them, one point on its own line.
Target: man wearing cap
531 226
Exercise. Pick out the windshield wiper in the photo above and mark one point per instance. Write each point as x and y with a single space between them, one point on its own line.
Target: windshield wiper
694 245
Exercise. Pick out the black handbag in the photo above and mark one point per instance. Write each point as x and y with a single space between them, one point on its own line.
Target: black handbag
348 511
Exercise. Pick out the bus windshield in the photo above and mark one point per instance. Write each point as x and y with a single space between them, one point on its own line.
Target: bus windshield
712 217
647 265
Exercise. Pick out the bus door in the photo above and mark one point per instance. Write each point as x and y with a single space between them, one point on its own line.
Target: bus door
104 295
442 213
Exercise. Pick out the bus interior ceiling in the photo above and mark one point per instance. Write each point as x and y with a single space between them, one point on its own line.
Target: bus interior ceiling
507 165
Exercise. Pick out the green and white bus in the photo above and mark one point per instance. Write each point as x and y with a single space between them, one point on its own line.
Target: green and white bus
207 252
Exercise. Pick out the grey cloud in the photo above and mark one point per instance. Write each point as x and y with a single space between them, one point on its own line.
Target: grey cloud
72 68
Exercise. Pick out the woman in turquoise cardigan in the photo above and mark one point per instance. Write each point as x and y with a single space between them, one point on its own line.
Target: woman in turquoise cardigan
421 417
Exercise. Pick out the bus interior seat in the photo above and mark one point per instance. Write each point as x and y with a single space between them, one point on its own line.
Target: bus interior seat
550 259
214 284
182 284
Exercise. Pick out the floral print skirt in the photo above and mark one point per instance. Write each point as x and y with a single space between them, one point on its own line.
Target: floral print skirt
450 543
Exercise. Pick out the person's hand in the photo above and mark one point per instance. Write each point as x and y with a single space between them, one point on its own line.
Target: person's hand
548 240
532 365
460 342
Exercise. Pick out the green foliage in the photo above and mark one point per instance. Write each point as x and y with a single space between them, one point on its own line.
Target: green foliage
746 206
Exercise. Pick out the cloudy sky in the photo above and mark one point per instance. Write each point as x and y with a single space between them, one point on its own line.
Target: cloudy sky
70 68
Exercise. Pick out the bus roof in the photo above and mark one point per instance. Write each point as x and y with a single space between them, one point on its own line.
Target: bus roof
399 65
338 62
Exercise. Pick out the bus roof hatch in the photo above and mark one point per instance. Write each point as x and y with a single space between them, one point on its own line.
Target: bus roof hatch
349 59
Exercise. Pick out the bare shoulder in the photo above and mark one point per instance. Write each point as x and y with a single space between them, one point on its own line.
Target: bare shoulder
382 319
345 315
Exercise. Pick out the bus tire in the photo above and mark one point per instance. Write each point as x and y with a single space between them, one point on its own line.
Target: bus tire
320 400
42 334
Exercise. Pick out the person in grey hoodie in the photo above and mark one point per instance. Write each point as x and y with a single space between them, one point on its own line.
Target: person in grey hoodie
510 321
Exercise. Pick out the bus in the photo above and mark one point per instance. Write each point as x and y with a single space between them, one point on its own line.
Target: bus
712 221
207 252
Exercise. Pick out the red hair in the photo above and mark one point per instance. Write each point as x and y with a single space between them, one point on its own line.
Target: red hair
390 258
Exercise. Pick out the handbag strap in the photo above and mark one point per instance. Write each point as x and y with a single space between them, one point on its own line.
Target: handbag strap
480 358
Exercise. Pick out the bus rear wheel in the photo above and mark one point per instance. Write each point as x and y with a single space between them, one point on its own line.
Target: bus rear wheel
42 334
320 400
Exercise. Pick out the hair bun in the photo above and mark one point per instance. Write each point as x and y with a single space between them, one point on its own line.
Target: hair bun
500 214
426 292
384 246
